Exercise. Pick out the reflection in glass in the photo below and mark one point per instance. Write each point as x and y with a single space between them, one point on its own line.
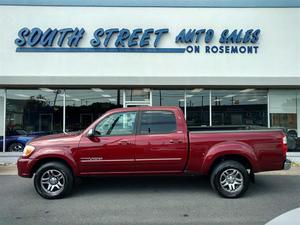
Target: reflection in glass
32 113
157 122
283 114
85 106
168 98
239 107
117 124
197 107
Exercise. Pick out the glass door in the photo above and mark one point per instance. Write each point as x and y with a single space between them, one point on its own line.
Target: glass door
137 97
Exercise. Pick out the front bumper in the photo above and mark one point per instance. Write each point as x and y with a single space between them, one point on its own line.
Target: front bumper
287 164
24 166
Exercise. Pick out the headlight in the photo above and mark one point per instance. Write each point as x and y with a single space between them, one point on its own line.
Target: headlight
28 150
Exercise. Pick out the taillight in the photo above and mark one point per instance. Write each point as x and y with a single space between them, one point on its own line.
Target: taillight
284 145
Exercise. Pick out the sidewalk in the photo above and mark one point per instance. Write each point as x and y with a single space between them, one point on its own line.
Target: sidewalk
295 170
8 170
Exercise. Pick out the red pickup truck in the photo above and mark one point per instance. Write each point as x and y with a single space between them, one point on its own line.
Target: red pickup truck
152 140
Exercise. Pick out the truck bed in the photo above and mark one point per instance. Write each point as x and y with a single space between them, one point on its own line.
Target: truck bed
226 128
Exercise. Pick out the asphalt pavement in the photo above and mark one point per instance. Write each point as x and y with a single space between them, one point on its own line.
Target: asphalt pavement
147 200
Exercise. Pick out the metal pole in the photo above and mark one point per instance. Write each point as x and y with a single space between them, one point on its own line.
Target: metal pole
268 109
64 111
185 104
160 97
210 109
4 119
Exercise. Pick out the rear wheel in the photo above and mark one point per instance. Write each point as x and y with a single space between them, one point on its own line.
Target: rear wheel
230 179
53 180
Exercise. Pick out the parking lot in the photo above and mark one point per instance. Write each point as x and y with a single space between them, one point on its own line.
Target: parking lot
148 200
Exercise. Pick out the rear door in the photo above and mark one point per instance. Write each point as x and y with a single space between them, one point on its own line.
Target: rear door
159 145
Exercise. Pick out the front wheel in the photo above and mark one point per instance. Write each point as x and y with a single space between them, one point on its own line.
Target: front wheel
230 179
15 147
53 180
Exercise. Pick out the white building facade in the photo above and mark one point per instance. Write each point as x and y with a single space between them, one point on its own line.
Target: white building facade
64 64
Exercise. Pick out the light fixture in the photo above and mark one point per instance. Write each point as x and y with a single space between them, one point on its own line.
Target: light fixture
62 95
253 100
76 99
218 100
97 90
181 100
247 90
112 99
146 89
46 89
40 99
197 90
229 96
21 95
189 96
106 96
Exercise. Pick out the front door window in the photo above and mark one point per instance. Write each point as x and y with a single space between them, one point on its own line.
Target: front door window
117 124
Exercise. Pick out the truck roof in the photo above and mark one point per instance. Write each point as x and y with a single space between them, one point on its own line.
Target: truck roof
145 108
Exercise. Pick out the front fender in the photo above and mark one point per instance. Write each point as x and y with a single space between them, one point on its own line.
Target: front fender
45 154
226 149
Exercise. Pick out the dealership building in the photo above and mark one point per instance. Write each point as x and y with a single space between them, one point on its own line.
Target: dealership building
225 62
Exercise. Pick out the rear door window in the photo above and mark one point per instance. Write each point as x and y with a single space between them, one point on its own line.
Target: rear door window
157 122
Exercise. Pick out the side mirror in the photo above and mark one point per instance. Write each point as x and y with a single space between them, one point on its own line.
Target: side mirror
91 133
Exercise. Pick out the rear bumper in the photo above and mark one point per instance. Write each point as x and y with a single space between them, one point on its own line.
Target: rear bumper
287 164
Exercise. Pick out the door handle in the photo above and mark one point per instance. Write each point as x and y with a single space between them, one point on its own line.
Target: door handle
175 141
124 143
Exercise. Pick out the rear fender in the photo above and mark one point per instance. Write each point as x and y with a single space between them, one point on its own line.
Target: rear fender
229 148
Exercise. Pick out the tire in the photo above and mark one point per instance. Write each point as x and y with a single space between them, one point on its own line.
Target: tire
15 147
53 180
230 179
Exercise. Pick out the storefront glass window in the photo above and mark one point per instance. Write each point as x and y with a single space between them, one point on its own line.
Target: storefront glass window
32 113
239 107
197 107
168 98
85 106
284 114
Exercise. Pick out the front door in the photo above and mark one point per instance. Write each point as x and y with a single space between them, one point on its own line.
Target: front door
112 147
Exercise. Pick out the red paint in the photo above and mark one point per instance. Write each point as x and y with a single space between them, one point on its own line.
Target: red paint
177 152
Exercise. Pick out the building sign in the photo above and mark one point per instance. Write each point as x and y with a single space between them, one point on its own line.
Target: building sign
237 41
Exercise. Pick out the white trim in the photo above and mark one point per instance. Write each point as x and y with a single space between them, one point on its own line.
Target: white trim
150 97
159 3
124 99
